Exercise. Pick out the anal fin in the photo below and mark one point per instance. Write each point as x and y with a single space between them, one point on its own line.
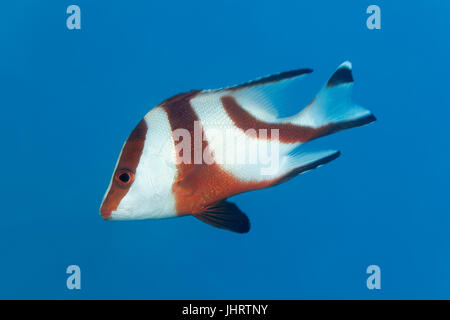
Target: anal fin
225 215
305 161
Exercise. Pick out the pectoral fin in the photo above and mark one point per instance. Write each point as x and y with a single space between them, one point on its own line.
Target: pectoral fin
225 215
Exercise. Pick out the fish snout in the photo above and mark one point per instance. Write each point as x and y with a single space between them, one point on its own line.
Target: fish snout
105 213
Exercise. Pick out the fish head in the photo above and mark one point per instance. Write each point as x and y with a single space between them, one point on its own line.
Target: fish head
134 191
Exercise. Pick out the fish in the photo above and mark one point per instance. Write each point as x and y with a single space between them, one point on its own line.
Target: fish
195 150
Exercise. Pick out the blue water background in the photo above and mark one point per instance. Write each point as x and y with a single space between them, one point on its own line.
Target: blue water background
70 98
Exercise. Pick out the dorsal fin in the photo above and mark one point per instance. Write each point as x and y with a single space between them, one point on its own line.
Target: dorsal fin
273 78
258 96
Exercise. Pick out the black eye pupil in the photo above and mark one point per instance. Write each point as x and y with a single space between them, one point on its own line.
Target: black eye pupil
124 177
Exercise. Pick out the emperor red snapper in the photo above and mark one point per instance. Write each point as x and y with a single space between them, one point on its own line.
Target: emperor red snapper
196 149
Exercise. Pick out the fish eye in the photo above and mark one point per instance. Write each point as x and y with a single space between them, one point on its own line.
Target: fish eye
124 177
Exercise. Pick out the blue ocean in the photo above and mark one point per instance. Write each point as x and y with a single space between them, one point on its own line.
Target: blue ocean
70 98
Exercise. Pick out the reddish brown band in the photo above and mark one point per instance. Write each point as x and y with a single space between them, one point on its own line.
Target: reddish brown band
129 160
288 133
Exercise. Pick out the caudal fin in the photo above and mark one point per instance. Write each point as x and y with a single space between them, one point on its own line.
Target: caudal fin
332 109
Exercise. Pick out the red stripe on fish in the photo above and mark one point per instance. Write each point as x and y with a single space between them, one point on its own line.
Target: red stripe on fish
288 133
125 170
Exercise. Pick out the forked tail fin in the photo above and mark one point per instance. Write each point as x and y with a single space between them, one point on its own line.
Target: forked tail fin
332 109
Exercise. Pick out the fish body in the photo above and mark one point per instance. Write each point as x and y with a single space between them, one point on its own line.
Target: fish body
195 150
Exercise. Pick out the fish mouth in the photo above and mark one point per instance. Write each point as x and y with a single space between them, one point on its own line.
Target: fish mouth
105 213
106 216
